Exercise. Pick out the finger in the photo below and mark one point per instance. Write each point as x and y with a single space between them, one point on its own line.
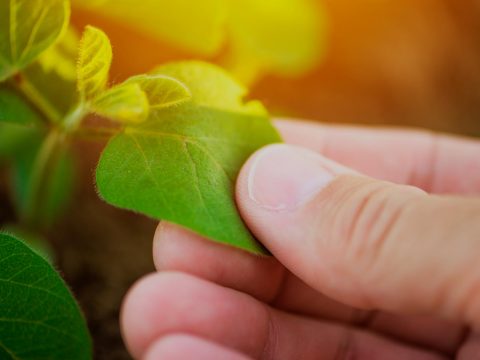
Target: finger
170 303
178 347
470 350
435 163
368 243
420 330
178 249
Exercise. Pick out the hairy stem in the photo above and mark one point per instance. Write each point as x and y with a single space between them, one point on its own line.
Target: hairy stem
72 121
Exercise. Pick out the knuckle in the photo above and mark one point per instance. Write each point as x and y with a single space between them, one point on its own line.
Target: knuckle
371 222
364 220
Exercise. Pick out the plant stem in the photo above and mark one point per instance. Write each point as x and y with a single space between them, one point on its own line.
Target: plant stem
72 120
44 162
22 84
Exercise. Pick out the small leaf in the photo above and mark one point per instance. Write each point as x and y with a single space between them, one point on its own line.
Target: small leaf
182 163
27 28
94 60
162 91
39 318
126 103
211 86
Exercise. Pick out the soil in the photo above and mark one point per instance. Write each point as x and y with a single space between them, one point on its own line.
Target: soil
100 251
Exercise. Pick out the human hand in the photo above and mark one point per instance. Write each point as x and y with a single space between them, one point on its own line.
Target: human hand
362 268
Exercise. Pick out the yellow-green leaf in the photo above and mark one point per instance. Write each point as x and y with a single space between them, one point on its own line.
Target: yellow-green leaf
61 58
283 36
27 28
94 60
126 103
162 91
211 86
194 25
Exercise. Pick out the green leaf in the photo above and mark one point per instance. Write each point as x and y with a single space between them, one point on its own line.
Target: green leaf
94 60
27 28
39 318
162 91
14 109
182 165
192 25
35 241
126 103
211 86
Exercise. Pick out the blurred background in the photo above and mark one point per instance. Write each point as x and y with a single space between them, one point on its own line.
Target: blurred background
409 63
377 62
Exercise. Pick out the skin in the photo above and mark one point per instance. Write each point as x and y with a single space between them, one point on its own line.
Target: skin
375 258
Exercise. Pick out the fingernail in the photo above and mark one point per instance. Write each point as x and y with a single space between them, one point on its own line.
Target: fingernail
284 177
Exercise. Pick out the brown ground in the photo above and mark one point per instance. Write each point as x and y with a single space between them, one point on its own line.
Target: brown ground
101 252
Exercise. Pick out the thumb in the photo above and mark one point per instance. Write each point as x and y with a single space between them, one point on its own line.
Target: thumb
367 243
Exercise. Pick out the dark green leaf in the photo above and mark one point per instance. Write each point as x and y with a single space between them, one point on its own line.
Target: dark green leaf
34 240
39 318
14 109
15 140
18 123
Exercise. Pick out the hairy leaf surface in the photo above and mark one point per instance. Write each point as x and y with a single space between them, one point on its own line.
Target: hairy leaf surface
211 86
126 103
27 28
162 91
40 318
181 164
94 60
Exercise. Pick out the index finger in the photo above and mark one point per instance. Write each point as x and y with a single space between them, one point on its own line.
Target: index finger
434 162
